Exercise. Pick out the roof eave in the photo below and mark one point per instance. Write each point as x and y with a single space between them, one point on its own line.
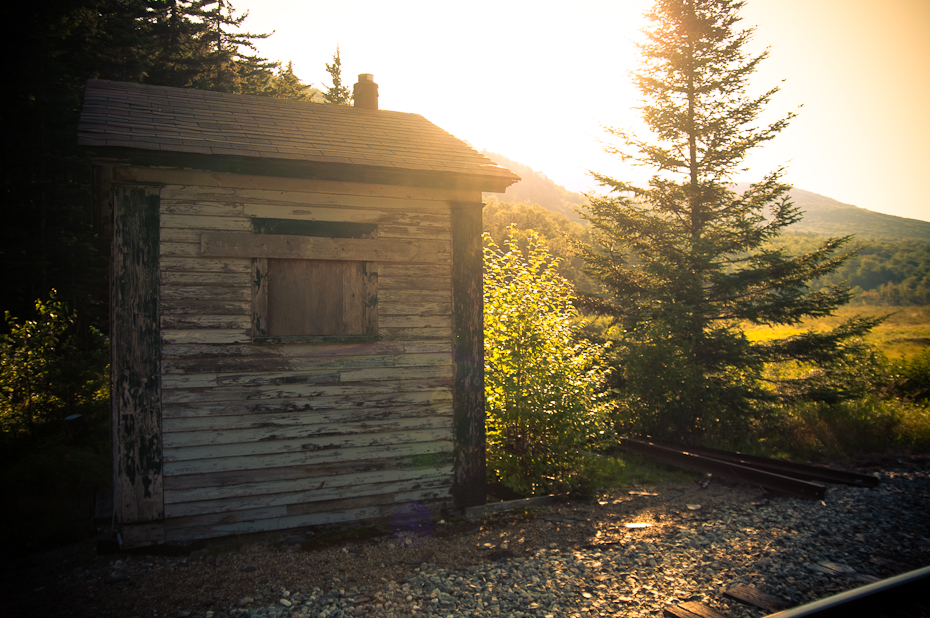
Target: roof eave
495 181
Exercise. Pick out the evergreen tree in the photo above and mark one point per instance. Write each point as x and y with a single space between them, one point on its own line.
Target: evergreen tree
337 93
286 85
686 260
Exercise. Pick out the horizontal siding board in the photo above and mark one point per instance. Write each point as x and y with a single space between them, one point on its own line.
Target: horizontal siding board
309 419
317 494
416 321
225 279
304 350
207 265
353 391
306 458
260 476
343 214
227 244
206 292
308 483
206 336
177 249
375 405
415 283
275 365
199 207
391 334
400 231
226 224
228 322
177 530
306 444
396 269
266 432
200 307
199 185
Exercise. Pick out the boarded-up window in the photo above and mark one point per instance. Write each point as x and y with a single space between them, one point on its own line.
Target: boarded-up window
297 299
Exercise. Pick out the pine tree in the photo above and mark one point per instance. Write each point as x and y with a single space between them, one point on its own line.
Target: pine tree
286 85
337 93
686 260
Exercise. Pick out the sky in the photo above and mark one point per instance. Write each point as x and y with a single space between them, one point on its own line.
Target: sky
538 81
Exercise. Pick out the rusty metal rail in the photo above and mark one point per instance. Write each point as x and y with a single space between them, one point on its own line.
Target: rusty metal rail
749 474
787 468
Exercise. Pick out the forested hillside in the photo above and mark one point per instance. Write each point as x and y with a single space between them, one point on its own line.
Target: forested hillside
891 266
535 188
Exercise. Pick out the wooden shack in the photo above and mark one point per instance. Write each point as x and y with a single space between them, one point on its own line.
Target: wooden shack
296 309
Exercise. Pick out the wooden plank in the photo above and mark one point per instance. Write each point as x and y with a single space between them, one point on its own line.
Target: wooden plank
418 271
260 476
441 322
468 351
305 444
199 185
309 428
199 307
174 278
691 609
200 207
207 336
404 334
226 244
174 235
179 249
312 481
756 598
417 283
227 224
305 458
353 417
316 494
305 350
278 365
279 391
136 396
363 210
178 531
206 265
376 405
415 231
228 322
206 292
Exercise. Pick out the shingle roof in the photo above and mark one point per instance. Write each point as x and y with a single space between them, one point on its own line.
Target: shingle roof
177 120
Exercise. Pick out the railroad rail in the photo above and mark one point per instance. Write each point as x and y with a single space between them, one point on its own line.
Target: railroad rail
896 596
799 480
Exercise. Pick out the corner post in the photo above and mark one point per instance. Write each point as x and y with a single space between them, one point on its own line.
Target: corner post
135 363
468 400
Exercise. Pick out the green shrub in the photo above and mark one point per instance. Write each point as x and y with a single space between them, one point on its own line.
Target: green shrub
545 402
50 469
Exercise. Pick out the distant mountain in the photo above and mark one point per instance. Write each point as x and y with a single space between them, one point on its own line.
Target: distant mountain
823 216
535 188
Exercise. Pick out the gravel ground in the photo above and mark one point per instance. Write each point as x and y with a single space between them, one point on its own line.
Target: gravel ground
631 553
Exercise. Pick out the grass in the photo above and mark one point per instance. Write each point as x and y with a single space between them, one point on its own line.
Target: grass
905 333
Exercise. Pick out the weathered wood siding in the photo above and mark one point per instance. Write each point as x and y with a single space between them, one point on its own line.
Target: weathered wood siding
264 436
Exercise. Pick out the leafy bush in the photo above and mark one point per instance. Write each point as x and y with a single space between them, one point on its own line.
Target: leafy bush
545 402
47 373
50 469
